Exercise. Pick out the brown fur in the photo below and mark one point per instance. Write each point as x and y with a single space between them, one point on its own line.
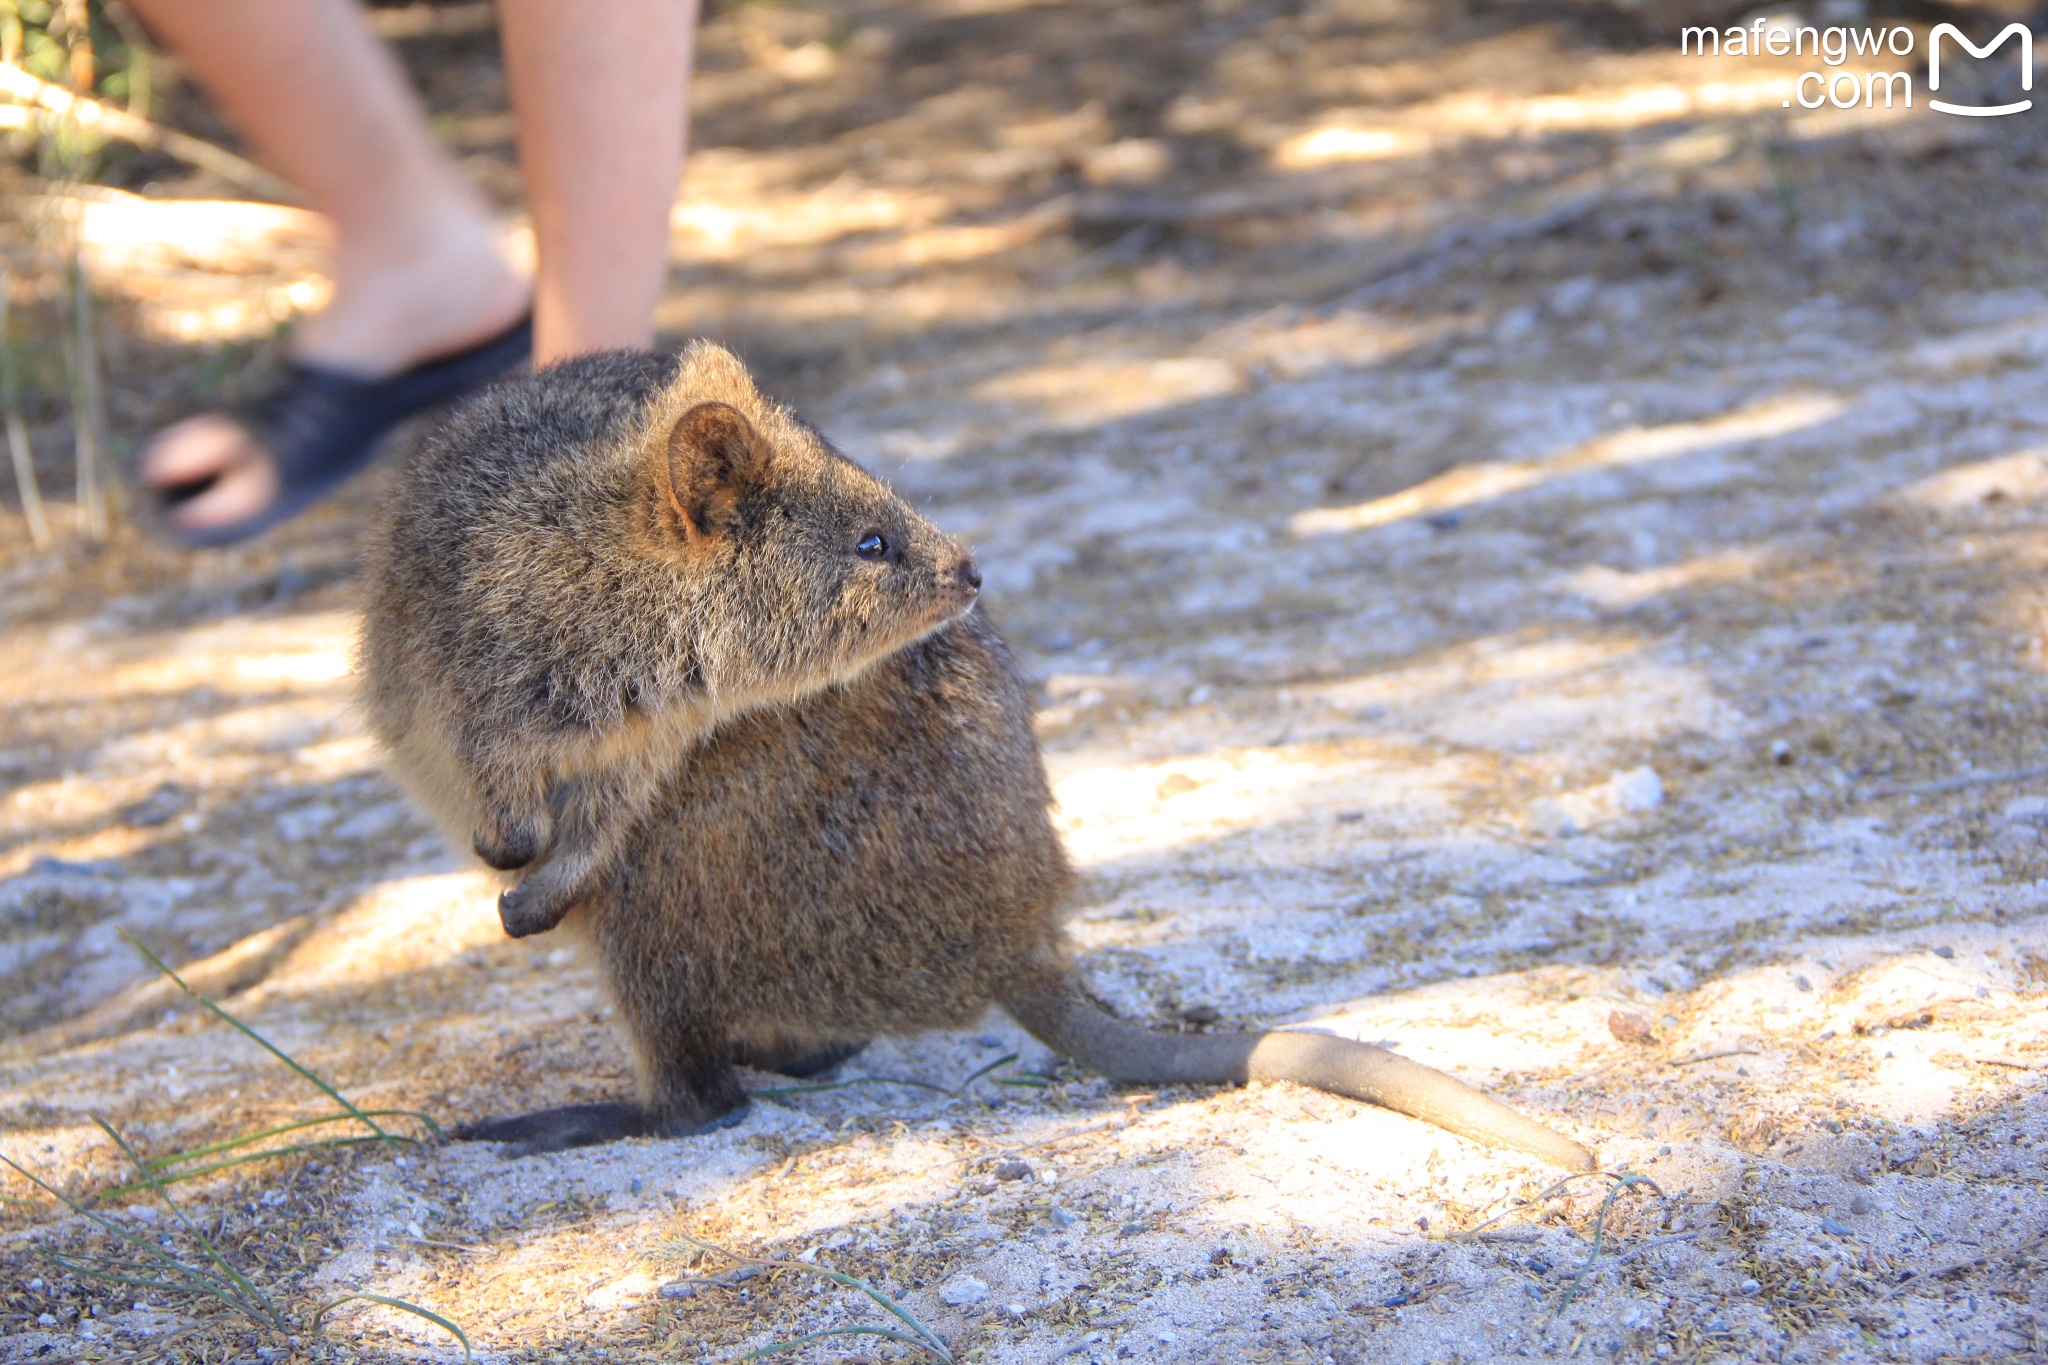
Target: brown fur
578 583
870 857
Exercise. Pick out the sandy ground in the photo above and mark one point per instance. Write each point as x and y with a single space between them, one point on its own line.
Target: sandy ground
1531 553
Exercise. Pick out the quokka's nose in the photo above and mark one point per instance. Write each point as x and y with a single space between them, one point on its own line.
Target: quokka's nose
968 574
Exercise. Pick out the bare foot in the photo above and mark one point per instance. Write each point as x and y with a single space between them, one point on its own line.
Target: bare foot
386 316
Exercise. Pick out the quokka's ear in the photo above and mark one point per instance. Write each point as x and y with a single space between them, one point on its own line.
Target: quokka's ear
713 452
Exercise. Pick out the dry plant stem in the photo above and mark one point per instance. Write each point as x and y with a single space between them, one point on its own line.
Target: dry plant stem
83 352
1961 781
94 117
18 446
1917 1277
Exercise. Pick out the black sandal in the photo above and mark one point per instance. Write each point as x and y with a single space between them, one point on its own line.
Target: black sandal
321 427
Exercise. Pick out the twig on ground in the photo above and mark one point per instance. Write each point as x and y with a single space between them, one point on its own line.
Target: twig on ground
1959 782
1916 1277
18 447
1715 1056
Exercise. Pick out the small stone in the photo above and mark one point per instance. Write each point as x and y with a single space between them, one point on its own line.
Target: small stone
963 1290
1167 1337
636 1186
1944 951
989 1040
1747 1287
1832 1274
1629 1027
1548 819
1538 1265
1012 1170
1201 1015
1665 1150
1781 753
1131 1229
1860 1205
45 1320
1220 1256
1638 789
678 1289
1832 1125
1802 983
1060 1218
1835 1228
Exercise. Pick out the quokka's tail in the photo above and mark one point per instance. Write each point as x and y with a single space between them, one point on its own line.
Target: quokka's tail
1059 1014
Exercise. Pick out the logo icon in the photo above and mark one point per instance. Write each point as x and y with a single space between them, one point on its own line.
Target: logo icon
1975 110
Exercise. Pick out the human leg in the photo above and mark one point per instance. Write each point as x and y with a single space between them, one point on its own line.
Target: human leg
602 96
418 270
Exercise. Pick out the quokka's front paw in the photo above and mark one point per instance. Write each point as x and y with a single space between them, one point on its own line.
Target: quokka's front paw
534 906
511 843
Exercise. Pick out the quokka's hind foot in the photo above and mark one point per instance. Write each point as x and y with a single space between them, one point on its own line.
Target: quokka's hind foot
799 1065
583 1125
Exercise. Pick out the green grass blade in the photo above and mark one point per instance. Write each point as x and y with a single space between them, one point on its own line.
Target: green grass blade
107 1225
133 1281
429 1314
259 1304
174 1176
268 1046
1003 1060
163 1163
797 1343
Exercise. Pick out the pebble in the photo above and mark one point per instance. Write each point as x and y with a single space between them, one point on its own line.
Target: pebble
1630 1027
678 1289
1944 951
1012 1170
1638 789
1802 983
1131 1229
962 1290
1860 1204
1748 1287
1060 1218
1836 1228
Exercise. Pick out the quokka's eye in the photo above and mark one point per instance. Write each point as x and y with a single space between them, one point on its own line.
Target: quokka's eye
872 546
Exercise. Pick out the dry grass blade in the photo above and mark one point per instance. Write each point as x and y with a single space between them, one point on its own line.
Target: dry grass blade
82 349
405 1307
18 447
107 121
926 1339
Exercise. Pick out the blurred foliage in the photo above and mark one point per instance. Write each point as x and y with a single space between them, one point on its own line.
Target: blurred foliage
89 47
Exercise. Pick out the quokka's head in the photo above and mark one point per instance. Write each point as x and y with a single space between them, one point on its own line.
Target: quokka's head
806 568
